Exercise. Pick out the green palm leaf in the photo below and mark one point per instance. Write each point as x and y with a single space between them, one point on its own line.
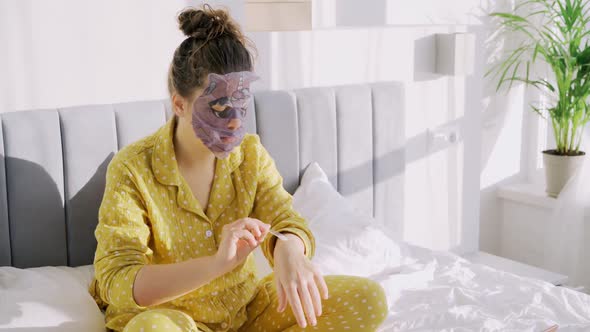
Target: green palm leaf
556 33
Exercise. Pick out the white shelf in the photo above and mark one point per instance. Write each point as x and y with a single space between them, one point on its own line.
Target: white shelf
520 269
530 194
527 193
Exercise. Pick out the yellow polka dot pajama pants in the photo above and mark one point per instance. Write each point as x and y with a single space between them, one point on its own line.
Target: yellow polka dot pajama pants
355 304
168 320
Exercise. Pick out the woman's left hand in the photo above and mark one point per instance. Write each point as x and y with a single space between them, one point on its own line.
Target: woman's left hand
298 281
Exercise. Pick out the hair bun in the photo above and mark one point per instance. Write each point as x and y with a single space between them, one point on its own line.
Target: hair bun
207 23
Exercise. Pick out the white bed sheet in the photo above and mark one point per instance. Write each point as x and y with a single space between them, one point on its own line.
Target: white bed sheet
439 291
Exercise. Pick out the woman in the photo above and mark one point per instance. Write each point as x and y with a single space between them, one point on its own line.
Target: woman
184 208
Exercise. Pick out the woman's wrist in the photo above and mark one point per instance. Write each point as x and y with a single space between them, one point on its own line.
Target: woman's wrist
293 245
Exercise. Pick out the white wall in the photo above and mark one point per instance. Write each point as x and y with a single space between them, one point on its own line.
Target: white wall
513 137
71 52
64 52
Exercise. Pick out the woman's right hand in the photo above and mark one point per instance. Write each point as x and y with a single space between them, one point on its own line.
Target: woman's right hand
238 240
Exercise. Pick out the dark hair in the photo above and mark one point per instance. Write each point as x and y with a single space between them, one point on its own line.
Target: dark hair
214 44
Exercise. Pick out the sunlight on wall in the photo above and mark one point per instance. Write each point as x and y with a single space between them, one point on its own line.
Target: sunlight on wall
502 138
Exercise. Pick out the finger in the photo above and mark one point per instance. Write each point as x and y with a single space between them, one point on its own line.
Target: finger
259 223
260 227
251 225
264 228
307 303
315 298
243 234
294 301
321 284
282 297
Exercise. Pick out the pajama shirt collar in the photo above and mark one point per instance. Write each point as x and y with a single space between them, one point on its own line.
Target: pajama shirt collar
165 169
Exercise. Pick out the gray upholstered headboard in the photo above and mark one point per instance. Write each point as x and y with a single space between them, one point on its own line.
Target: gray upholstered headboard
54 161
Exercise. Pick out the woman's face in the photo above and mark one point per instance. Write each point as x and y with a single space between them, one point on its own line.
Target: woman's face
219 110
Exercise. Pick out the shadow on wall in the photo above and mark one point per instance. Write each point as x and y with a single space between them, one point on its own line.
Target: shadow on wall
393 164
41 231
395 161
425 59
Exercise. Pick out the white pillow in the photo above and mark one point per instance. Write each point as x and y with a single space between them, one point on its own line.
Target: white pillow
347 241
315 195
48 299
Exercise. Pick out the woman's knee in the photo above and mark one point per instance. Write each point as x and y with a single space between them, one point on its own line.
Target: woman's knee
372 296
161 320
358 299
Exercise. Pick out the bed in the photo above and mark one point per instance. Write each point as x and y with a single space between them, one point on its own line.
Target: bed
52 169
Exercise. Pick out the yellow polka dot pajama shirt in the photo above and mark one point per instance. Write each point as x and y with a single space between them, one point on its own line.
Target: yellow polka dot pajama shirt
149 216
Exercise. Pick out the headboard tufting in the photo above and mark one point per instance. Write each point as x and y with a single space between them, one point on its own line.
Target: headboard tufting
53 162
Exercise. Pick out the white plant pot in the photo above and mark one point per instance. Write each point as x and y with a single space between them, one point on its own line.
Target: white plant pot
559 169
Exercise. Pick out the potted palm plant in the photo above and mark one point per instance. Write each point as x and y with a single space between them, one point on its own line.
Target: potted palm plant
554 33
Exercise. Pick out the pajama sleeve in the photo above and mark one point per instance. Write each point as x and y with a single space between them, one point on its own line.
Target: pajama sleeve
122 238
273 205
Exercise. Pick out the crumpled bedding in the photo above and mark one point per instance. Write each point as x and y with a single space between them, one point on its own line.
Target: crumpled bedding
440 291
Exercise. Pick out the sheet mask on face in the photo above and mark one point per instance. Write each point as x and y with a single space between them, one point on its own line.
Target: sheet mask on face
225 99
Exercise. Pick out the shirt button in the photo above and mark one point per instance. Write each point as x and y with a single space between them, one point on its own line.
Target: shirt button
224 325
208 233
